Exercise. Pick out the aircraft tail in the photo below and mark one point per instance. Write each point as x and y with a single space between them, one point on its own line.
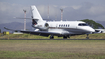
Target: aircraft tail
36 15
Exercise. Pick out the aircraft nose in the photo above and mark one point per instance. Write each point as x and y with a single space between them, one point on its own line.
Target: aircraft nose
89 29
92 30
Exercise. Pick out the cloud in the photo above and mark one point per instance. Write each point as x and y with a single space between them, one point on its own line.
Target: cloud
53 11
76 6
87 11
71 12
8 11
97 10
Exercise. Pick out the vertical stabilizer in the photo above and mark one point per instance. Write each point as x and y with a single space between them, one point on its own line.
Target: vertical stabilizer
36 15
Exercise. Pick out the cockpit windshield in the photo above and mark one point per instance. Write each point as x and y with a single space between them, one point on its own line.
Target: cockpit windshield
82 24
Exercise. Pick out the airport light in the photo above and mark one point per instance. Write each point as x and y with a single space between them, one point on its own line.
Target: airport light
48 12
24 19
61 14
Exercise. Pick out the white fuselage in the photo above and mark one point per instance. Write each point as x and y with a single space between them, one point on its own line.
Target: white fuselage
68 27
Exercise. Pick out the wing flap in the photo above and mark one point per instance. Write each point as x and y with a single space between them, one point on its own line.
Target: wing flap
41 33
36 33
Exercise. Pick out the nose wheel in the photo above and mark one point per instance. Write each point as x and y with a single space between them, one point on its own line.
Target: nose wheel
87 36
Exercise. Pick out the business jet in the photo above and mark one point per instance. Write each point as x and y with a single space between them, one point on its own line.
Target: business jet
63 29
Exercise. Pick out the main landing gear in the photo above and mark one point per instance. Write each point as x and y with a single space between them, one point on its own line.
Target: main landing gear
51 37
64 37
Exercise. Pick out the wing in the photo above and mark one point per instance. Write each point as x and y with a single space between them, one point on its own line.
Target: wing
41 33
45 33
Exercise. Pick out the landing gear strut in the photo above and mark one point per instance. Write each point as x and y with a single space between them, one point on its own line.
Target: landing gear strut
51 37
64 37
87 36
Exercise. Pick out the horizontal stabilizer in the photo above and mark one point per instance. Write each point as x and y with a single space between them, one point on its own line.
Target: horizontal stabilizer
21 18
11 29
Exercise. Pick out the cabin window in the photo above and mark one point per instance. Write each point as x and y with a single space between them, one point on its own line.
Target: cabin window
82 24
68 25
59 25
64 25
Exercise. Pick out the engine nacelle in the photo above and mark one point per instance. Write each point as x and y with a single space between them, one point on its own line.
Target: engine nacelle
42 26
45 26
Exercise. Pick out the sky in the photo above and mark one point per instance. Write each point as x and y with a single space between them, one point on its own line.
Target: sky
72 9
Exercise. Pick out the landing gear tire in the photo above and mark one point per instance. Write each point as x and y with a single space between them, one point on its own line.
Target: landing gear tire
64 37
51 37
87 37
69 37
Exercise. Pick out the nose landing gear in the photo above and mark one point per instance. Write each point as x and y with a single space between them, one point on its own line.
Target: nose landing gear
87 36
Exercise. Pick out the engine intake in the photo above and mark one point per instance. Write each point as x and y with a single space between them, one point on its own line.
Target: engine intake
46 25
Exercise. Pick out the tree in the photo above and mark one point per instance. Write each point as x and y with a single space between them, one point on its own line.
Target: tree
93 24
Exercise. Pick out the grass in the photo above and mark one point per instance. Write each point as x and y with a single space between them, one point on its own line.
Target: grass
52 49
29 36
53 55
